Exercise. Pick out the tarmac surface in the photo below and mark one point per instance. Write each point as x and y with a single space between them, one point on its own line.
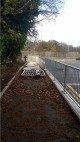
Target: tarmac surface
73 62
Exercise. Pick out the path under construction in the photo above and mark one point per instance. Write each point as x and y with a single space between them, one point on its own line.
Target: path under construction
32 110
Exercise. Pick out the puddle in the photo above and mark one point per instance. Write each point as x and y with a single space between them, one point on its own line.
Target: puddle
51 113
52 118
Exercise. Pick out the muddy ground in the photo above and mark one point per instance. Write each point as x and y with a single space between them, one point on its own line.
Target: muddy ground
32 110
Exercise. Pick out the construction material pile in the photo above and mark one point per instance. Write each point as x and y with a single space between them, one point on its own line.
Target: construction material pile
32 69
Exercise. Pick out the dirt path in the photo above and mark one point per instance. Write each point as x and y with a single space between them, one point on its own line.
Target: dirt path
34 111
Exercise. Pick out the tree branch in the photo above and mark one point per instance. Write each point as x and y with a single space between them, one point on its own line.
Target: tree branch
23 6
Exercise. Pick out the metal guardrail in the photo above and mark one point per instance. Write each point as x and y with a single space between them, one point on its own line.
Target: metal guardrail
66 75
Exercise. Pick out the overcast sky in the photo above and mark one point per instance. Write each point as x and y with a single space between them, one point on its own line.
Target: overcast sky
66 28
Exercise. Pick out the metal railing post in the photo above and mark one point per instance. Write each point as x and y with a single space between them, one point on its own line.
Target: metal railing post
54 70
65 75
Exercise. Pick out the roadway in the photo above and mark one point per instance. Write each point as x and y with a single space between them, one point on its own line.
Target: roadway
71 62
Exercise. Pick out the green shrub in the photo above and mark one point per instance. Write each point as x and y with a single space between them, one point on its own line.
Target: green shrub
78 58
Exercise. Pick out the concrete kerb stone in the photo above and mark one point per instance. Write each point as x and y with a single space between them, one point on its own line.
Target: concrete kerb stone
71 102
41 63
6 87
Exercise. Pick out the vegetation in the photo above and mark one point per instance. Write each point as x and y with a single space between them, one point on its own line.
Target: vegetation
17 21
52 46
77 58
15 25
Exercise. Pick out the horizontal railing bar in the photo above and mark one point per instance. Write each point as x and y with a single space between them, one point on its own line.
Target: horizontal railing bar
64 64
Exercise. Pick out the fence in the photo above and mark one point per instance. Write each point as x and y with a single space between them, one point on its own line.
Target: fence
52 54
67 76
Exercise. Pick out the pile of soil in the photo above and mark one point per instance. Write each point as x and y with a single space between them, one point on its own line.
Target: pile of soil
10 72
34 111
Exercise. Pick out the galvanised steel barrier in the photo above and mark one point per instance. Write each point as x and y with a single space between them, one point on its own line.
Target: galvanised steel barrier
67 76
